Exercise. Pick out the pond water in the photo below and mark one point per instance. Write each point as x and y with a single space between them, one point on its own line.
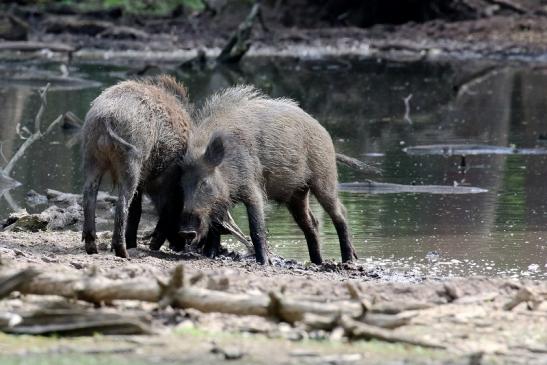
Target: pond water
361 103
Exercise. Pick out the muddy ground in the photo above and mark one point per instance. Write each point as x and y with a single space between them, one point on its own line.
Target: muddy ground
466 316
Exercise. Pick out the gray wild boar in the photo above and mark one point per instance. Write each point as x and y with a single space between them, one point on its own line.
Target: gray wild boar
134 130
246 147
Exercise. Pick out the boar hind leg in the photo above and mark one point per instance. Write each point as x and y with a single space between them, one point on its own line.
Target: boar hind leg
133 219
328 198
300 210
91 188
127 189
257 226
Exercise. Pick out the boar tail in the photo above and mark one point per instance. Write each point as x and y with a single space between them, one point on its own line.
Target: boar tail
357 164
128 146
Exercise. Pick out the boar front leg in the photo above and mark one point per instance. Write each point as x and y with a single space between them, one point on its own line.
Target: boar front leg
257 226
211 247
166 228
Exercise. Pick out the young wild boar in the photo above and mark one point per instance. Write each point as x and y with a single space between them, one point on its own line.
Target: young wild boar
134 130
246 147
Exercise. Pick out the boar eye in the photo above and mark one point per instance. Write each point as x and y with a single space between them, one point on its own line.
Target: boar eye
202 184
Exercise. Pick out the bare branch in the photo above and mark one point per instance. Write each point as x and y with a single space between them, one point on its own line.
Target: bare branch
36 134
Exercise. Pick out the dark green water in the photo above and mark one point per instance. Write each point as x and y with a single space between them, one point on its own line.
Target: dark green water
502 231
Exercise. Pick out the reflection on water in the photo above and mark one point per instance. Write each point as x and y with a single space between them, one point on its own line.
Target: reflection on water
502 231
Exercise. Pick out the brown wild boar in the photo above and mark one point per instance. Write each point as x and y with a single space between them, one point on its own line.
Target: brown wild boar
134 130
246 147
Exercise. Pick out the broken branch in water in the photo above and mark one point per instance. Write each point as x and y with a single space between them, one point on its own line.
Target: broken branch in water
36 134
374 187
239 42
357 164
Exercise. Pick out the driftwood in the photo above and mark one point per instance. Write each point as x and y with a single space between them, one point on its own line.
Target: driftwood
524 295
13 282
361 331
470 150
374 187
352 315
35 46
239 42
357 164
77 322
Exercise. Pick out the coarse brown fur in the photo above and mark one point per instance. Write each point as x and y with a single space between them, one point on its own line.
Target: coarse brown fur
134 130
246 147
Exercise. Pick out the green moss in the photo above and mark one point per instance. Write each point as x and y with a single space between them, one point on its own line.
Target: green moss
139 7
70 359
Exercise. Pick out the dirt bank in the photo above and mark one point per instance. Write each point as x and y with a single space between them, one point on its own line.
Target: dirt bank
107 36
469 316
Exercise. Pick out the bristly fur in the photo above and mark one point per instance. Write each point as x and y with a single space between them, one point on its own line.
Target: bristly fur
169 84
233 98
271 150
135 130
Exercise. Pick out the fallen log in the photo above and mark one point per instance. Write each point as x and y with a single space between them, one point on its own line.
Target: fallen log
374 187
177 293
357 318
35 46
361 331
77 322
13 282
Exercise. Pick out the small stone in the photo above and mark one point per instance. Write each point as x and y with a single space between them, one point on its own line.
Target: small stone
77 265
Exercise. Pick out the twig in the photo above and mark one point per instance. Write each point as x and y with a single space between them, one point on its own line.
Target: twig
407 109
37 133
2 152
230 225
361 331
11 202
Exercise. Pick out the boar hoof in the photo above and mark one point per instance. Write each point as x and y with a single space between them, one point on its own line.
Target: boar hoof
121 252
155 245
91 248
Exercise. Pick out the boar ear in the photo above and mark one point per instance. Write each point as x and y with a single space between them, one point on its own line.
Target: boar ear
214 154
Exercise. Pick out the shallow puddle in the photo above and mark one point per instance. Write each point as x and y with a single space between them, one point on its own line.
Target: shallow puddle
362 104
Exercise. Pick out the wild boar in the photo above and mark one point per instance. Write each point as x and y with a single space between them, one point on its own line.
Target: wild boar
135 130
249 148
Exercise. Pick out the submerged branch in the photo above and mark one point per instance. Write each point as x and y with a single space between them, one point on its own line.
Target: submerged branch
36 134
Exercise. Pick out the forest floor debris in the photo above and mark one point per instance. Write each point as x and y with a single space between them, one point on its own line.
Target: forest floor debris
452 319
